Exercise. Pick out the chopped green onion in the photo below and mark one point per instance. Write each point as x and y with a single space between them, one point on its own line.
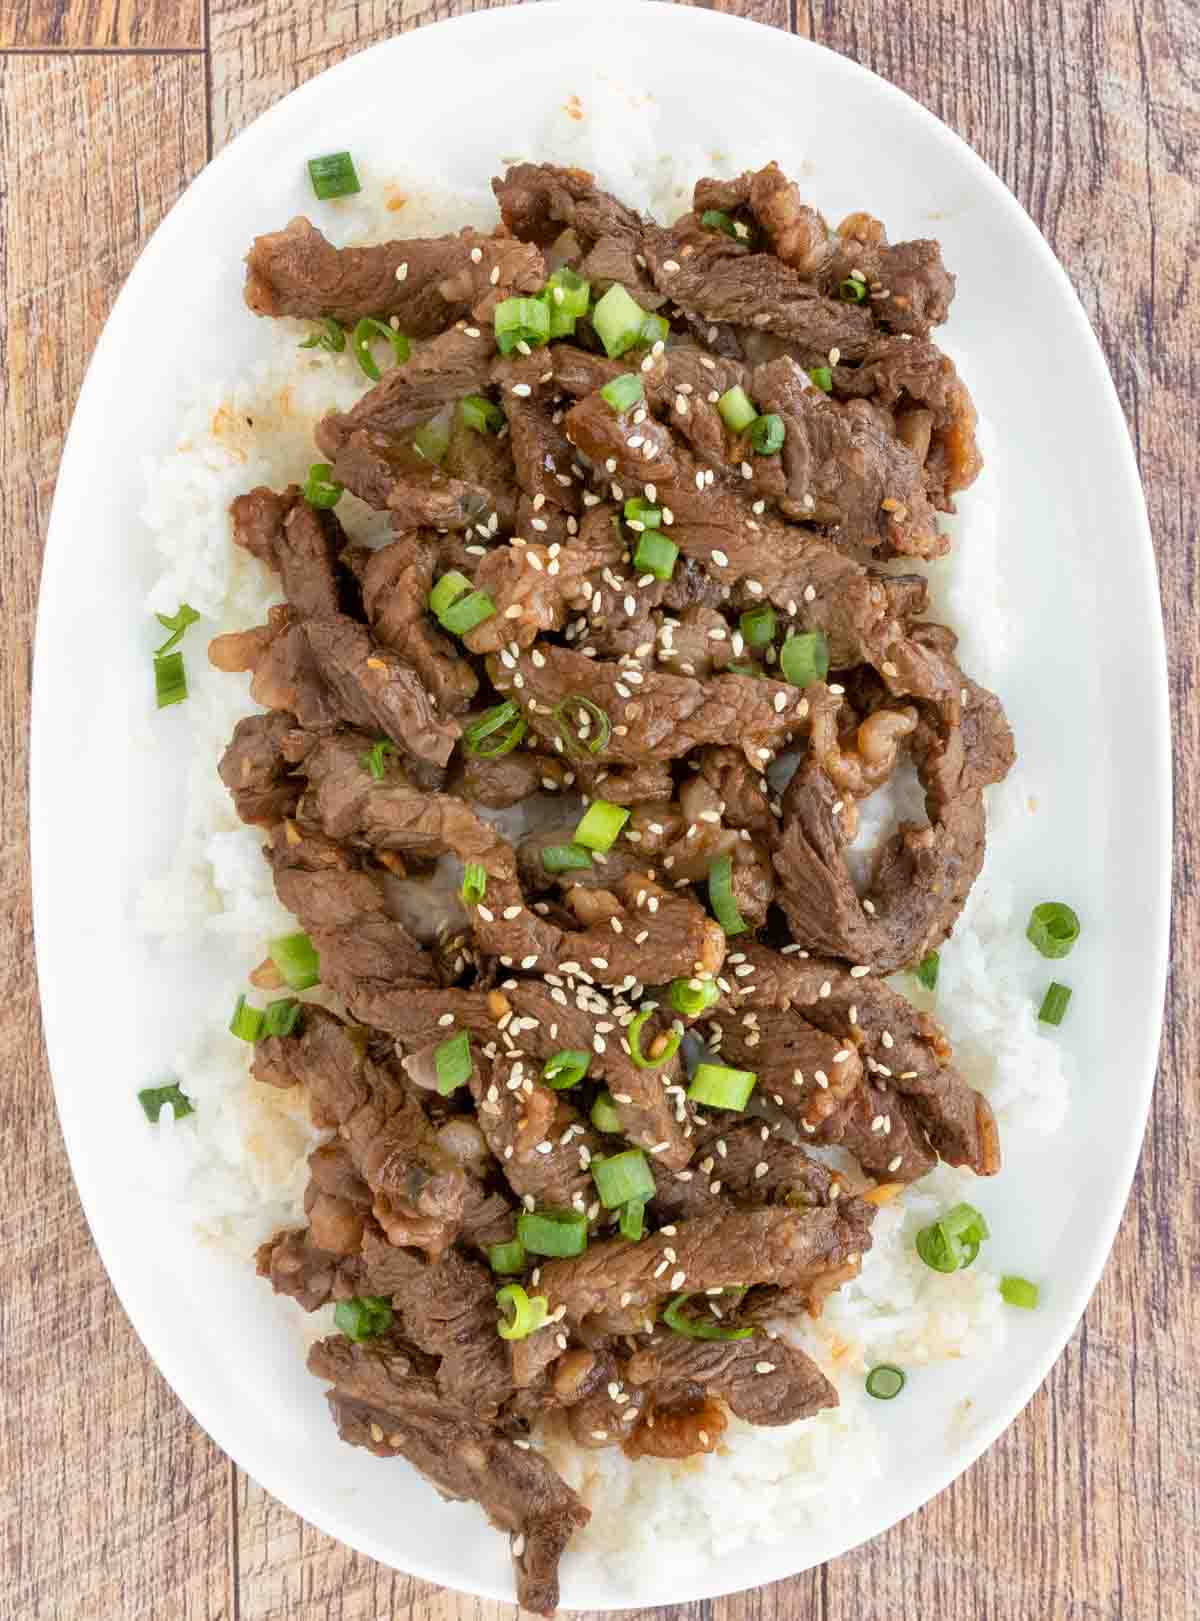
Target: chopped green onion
452 1059
699 1328
329 336
507 1258
1019 1292
447 591
521 1316
633 1220
641 512
618 320
566 1068
561 1233
691 996
364 333
767 434
741 667
170 680
282 1016
716 219
432 441
758 626
805 658
474 884
655 329
577 737
521 320
478 412
621 1177
296 959
463 616
720 896
852 291
655 554
600 824
569 292
153 1099
333 175
1053 928
320 488
177 623
623 392
885 1382
721 1088
1054 1003
604 1114
363 1317
736 408
927 970
669 1039
505 719
821 377
373 759
247 1022
952 1243
565 858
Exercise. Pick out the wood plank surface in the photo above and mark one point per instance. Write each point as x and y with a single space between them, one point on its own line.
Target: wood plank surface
113 1505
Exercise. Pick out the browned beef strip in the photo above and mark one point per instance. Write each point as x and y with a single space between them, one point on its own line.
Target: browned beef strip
397 580
910 288
377 691
744 1167
393 477
544 1147
436 374
296 271
384 1399
484 460
284 674
257 771
763 1380
618 442
535 586
301 542
509 778
307 1274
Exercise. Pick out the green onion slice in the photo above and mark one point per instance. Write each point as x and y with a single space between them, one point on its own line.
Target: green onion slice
321 489
177 623
1054 1003
641 512
447 591
463 616
679 1321
1019 1292
952 1243
561 1233
333 175
1053 928
452 1059
568 292
474 884
520 1315
363 1317
170 680
618 320
566 1069
885 1382
604 1114
282 1016
718 1087
767 434
154 1099
296 958
565 858
479 413
496 732
624 392
736 408
600 824
247 1022
852 291
927 970
720 896
621 1177
758 626
576 716
367 330
691 996
507 1258
655 554
716 219
330 336
805 658
521 320
633 1220
373 759
432 441
821 377
655 329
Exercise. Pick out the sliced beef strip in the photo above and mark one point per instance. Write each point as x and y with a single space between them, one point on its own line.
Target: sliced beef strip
744 1167
544 1148
762 1380
484 460
424 282
308 1275
436 374
910 289
284 674
384 1399
536 587
396 583
328 1058
377 691
625 444
257 771
807 1072
542 455
393 477
301 542
509 778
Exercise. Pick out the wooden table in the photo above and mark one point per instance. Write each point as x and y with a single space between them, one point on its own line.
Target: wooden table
115 1505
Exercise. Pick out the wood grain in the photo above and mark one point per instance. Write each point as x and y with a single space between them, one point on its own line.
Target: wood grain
113 1504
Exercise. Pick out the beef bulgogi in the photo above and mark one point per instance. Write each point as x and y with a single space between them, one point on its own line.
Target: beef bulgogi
642 484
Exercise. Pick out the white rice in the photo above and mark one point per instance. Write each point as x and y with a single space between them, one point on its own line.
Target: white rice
239 1160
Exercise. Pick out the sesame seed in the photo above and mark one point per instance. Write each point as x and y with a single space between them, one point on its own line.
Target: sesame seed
761 1169
720 559
860 970
670 265
678 1279
523 390
764 1367
448 1018
895 1163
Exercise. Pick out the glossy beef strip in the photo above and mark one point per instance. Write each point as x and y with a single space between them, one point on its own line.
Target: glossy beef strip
303 543
383 1398
485 460
509 778
257 768
743 1162
761 1379
424 282
396 582
436 374
393 477
536 587
307 1274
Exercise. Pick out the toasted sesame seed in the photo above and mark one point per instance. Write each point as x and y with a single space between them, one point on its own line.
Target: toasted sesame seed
896 1162
523 390
764 1367
860 970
